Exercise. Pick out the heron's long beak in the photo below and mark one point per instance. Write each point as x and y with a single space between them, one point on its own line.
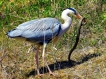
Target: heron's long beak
78 16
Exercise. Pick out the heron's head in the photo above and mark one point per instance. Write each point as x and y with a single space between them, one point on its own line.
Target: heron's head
72 11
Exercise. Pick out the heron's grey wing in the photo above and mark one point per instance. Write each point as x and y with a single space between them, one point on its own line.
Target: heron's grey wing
38 25
38 30
44 29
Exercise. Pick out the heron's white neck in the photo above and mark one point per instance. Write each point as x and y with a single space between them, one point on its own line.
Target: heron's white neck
67 21
66 18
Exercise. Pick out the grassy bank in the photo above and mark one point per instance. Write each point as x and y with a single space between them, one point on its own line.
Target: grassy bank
17 60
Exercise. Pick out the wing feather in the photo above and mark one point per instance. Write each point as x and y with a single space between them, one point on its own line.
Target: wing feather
38 25
37 29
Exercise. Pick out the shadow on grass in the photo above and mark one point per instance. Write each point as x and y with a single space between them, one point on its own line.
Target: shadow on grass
62 65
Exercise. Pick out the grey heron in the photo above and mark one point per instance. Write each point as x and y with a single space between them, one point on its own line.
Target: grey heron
42 31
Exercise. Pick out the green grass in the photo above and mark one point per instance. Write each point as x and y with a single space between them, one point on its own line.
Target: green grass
15 60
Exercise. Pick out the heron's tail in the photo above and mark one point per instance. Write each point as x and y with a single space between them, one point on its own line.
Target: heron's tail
14 33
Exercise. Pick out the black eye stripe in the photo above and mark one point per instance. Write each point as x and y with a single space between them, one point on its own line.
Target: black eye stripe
72 10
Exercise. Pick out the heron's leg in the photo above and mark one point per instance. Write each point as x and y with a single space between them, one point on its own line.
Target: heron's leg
37 60
44 47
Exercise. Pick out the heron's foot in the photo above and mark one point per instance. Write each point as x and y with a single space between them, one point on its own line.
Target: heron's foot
39 74
52 74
